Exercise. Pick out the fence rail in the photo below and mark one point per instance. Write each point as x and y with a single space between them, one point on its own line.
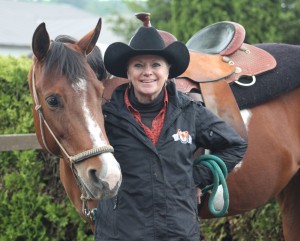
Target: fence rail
19 142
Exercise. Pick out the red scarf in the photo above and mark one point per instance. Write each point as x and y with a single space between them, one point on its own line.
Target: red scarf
157 122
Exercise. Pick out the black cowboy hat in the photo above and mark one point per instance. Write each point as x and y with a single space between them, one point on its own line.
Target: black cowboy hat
147 40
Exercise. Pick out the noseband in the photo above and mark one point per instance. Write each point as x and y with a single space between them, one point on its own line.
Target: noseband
75 159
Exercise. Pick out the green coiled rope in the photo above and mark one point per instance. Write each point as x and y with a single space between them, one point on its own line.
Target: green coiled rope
219 170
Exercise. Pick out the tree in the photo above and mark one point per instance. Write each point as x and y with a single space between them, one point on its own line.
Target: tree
290 22
183 18
252 15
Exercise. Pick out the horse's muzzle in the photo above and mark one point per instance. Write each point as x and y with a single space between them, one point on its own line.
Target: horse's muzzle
104 183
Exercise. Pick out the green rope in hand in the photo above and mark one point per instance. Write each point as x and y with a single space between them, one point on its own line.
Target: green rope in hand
219 170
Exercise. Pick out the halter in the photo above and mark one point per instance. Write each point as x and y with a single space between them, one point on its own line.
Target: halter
75 159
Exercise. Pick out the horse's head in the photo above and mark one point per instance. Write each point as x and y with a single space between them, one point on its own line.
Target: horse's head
68 117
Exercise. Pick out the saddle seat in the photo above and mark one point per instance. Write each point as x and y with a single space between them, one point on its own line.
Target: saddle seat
221 38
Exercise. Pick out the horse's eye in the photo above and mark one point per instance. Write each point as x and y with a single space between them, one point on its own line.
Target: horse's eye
53 101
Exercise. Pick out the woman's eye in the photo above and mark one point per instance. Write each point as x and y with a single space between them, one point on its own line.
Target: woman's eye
138 65
53 101
156 65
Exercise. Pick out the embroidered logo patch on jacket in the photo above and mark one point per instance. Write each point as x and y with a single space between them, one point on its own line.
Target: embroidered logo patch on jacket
182 136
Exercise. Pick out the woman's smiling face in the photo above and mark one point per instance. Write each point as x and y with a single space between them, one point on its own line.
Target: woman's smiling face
148 74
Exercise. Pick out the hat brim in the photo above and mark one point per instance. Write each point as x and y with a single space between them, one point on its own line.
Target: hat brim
117 55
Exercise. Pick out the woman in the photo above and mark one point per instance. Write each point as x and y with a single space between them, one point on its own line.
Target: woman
155 130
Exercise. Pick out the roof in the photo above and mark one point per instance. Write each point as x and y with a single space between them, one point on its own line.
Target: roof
20 19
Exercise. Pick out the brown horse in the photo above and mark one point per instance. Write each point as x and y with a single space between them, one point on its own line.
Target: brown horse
270 168
68 118
271 165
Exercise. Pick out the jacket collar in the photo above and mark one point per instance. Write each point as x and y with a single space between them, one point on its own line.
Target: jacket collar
116 103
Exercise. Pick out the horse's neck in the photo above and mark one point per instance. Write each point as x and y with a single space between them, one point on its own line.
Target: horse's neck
110 85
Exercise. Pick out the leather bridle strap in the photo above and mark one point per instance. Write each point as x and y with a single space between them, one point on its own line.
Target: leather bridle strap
75 158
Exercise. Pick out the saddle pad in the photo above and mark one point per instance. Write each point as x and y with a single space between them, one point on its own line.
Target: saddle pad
273 83
251 61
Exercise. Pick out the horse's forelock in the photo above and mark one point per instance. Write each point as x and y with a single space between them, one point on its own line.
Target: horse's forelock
65 61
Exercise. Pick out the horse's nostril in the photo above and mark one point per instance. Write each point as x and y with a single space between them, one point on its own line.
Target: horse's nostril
98 182
107 176
93 175
102 182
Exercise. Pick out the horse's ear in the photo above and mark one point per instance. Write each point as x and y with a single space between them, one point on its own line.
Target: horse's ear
40 42
88 42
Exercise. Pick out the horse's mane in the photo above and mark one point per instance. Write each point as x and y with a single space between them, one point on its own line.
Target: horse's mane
70 63
64 60
96 62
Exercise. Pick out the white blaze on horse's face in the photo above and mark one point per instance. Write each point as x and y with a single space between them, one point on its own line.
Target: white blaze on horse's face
110 172
92 126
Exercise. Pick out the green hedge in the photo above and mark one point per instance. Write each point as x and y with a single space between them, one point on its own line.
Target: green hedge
261 224
33 204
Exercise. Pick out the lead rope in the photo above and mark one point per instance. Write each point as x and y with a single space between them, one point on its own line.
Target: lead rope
219 170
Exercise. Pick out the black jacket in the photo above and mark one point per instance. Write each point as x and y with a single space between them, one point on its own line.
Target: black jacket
157 199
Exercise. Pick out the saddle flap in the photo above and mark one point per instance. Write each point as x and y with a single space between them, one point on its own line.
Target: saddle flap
250 61
218 97
207 68
186 85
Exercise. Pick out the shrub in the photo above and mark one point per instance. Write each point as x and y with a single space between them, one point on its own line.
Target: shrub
261 224
33 203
